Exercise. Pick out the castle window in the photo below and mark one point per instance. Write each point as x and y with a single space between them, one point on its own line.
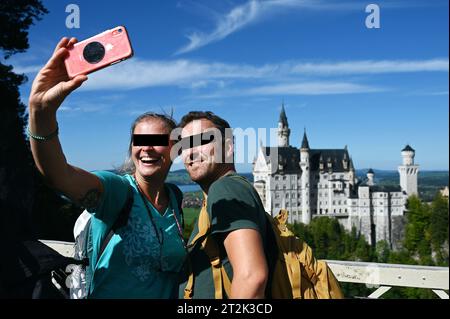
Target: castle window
276 187
321 212
287 195
277 195
277 178
326 211
277 205
284 178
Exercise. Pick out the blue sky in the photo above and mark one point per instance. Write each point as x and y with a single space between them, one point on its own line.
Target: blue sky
371 89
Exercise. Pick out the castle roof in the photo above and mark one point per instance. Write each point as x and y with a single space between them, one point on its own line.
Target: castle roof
283 117
288 157
386 188
335 156
305 143
370 171
408 149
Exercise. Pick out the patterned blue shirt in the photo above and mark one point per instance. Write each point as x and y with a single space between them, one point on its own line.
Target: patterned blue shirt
137 262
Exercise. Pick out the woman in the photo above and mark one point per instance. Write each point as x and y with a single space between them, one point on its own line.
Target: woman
142 259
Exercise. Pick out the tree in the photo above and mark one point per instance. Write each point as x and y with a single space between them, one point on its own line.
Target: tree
439 229
17 174
417 233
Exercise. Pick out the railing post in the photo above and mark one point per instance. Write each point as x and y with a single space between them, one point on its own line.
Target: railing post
380 291
441 293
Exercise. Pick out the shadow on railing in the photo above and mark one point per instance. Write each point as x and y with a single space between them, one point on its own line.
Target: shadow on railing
383 276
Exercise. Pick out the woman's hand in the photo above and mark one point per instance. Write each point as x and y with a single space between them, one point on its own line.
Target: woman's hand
52 84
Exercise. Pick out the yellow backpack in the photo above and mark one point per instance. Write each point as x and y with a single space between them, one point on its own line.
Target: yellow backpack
296 273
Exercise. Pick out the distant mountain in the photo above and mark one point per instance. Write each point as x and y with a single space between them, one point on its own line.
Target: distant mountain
181 177
426 178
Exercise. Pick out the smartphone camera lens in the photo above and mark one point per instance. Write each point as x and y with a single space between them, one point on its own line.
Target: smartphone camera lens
119 30
94 52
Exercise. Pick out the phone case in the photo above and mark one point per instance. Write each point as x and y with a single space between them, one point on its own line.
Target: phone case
99 51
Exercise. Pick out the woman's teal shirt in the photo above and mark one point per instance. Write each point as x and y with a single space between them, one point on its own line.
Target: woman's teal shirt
136 263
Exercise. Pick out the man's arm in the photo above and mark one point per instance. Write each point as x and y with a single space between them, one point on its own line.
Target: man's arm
246 254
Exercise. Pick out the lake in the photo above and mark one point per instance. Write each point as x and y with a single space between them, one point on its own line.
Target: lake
190 188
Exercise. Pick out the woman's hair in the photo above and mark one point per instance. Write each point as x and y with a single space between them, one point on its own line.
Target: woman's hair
128 166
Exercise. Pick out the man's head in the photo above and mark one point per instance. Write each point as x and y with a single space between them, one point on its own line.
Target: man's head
206 161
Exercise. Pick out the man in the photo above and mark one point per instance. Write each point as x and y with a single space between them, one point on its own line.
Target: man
236 214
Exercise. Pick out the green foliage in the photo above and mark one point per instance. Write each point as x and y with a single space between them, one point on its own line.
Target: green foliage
329 240
16 17
417 233
17 171
190 215
425 243
439 229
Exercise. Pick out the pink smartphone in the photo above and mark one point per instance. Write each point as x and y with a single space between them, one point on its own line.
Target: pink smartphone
99 51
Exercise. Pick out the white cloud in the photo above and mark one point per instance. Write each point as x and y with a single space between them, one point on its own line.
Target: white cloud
19 69
312 88
137 73
226 79
372 67
239 17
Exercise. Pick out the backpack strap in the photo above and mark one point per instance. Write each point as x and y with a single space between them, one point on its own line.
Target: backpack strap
179 197
121 220
211 248
220 276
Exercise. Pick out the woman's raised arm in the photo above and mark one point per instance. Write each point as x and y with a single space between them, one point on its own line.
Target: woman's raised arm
50 87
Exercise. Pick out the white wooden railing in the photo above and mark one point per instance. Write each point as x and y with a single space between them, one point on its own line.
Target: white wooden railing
386 276
376 275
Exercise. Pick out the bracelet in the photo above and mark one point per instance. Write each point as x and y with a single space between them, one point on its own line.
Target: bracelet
43 138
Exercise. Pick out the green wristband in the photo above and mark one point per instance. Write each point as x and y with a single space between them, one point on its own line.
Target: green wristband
43 138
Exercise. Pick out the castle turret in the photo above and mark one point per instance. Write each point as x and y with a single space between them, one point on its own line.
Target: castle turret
408 171
351 175
304 164
283 129
370 177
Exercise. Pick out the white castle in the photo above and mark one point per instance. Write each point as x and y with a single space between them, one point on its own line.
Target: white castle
310 183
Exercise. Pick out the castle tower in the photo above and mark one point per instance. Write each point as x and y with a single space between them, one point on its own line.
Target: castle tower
283 129
351 175
408 171
370 176
305 185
